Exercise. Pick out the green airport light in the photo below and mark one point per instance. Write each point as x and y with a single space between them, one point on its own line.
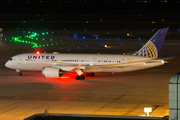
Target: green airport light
47 33
43 39
56 43
50 39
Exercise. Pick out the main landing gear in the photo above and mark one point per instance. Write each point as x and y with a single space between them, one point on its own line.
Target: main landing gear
82 77
90 74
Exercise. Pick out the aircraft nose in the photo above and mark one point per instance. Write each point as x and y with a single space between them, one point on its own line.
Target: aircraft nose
7 64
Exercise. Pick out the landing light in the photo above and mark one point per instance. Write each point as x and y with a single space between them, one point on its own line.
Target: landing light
162 61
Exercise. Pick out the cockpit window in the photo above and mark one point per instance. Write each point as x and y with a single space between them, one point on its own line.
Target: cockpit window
11 59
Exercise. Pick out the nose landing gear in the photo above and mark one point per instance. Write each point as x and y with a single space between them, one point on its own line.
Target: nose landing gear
19 72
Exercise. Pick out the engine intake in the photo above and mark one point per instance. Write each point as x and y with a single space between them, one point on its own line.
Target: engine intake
52 72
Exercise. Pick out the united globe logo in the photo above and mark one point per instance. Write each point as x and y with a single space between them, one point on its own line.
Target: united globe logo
148 50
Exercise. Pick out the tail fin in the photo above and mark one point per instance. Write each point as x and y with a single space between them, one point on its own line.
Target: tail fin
153 46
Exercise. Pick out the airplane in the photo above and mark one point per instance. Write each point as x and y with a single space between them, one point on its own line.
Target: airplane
54 65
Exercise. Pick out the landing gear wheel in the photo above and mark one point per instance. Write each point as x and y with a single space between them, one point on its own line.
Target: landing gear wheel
19 74
87 74
82 77
92 74
77 77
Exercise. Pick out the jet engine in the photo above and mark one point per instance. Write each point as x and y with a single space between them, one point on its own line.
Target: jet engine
52 72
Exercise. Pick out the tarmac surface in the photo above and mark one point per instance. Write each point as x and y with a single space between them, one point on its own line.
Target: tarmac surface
124 94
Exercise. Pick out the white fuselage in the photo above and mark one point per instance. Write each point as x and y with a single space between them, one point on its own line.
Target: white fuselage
87 62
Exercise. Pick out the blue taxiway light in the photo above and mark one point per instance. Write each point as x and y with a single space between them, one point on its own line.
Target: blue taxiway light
83 37
139 38
121 44
86 45
96 38
177 29
152 30
77 47
125 28
102 45
68 50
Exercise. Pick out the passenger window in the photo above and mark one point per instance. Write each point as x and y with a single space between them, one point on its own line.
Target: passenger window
11 59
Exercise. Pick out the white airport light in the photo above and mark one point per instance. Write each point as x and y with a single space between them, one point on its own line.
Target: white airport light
105 46
127 34
147 110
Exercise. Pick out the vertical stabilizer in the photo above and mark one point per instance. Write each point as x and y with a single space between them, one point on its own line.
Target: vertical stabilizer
153 46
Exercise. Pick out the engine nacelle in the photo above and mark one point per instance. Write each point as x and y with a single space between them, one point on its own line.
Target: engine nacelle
52 72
